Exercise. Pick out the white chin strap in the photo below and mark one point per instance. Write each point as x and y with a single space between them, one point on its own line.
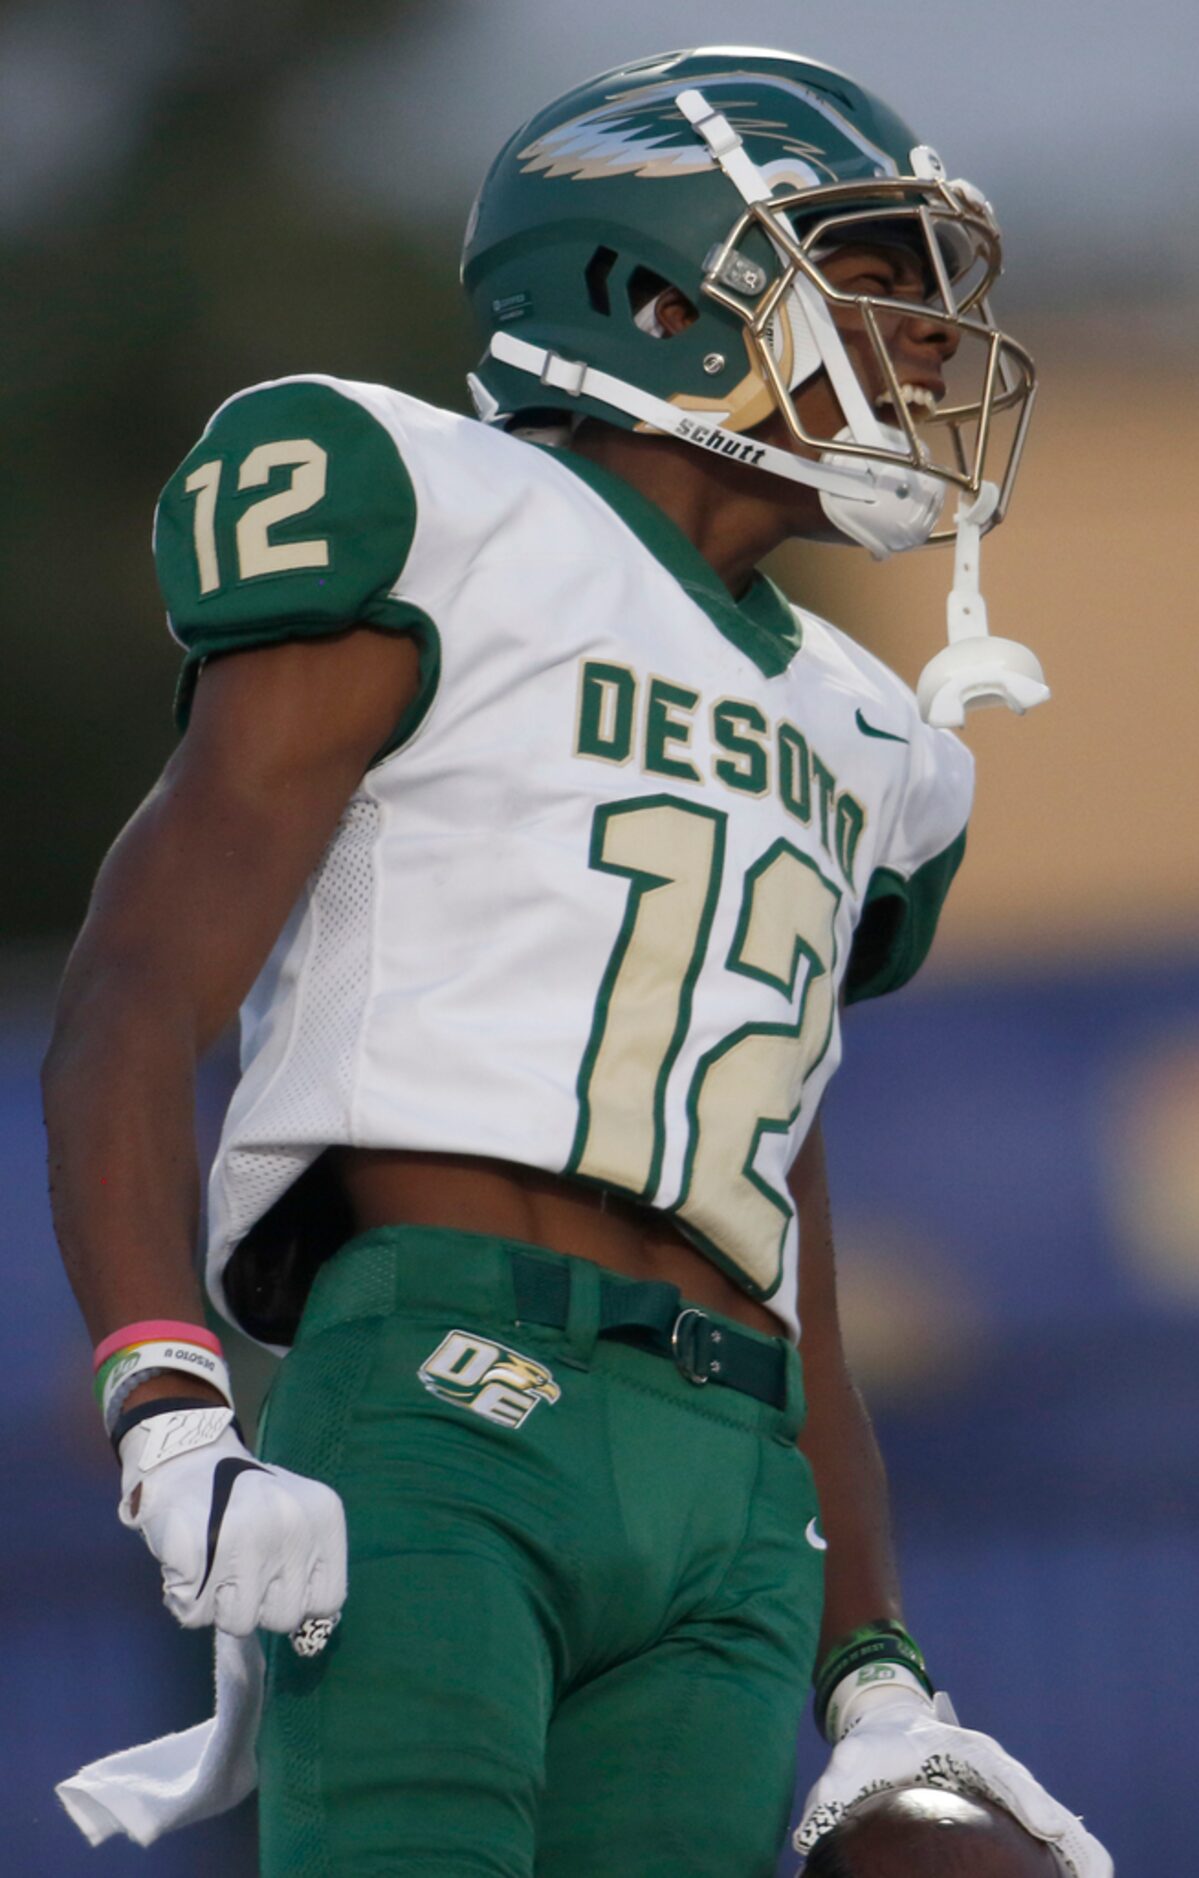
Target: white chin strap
705 430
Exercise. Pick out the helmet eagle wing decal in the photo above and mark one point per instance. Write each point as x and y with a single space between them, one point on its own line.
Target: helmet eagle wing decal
640 131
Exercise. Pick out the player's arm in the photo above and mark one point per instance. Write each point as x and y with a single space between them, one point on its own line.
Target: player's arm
885 1728
895 929
280 543
184 912
861 1578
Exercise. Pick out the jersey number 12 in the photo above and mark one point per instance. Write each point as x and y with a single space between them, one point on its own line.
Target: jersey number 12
256 553
747 1085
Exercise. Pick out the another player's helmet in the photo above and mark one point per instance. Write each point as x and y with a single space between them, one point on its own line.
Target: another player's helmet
731 174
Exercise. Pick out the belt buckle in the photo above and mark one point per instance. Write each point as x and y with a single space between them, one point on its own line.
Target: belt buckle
692 1340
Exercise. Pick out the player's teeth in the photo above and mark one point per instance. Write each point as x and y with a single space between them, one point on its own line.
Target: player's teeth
912 394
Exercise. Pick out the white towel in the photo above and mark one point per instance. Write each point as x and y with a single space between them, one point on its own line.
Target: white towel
179 1779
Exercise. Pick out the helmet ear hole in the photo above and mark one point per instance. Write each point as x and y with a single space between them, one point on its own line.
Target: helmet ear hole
654 314
644 286
596 275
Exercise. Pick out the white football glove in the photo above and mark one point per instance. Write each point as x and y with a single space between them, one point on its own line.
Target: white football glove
242 1545
902 1739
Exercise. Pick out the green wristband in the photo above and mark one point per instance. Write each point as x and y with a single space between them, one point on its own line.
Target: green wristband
883 1642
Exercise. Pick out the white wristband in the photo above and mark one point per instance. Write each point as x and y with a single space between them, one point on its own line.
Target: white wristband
874 1686
137 1365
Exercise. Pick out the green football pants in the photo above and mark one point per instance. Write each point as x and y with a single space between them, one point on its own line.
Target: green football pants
583 1607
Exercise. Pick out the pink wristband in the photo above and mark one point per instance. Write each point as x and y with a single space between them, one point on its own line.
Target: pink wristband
154 1330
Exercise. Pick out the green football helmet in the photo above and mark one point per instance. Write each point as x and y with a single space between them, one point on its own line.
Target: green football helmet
732 175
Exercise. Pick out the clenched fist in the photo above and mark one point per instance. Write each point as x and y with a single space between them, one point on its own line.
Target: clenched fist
242 1545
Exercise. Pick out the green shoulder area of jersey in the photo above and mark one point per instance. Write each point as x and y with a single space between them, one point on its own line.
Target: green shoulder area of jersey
898 923
291 519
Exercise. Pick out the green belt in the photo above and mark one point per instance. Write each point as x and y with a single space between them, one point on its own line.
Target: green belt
652 1315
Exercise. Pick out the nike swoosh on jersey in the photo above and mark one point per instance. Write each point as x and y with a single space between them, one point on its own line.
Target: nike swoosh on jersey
815 1539
224 1479
868 730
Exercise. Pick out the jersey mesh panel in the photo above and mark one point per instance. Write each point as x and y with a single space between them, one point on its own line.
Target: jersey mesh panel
308 1100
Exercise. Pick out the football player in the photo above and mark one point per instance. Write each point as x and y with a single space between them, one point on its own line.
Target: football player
540 841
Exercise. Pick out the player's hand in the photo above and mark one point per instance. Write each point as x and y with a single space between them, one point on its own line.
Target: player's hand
909 1741
242 1545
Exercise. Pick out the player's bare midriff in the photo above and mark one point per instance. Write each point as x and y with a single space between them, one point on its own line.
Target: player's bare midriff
524 1203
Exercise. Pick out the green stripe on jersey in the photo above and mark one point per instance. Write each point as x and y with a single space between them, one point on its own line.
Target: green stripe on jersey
899 919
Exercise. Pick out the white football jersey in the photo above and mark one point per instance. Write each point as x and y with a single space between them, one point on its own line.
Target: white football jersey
595 906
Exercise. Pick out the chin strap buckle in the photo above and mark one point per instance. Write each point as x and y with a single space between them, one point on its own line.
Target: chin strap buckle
568 375
974 669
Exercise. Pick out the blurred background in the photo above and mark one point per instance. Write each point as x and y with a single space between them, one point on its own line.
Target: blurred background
198 194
